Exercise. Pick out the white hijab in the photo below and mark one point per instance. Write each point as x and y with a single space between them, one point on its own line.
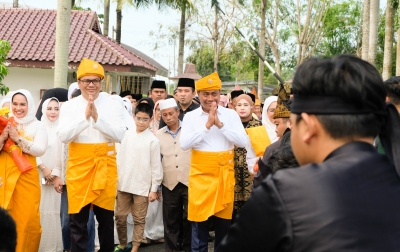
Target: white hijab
128 105
44 117
265 120
129 123
74 86
30 116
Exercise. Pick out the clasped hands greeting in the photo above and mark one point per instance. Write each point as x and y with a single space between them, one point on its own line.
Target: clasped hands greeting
9 132
91 110
213 117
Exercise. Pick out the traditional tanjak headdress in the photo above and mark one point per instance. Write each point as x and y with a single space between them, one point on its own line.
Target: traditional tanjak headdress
283 105
209 82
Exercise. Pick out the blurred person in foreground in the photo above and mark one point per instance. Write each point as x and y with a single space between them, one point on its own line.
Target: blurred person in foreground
344 197
8 232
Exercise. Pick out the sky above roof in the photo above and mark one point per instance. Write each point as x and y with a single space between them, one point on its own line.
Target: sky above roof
136 26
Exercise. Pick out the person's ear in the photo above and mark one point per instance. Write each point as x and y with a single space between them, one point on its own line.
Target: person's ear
310 127
387 99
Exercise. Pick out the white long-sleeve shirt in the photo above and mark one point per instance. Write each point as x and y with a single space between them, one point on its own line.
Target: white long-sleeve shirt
74 127
139 163
35 135
196 135
53 152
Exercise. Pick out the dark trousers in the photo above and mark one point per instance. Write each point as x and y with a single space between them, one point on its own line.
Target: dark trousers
79 232
200 233
64 216
175 205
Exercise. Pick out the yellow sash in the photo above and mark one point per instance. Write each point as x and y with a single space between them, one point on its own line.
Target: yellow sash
259 139
91 176
211 185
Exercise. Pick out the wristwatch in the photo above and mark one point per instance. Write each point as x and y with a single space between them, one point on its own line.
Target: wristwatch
221 125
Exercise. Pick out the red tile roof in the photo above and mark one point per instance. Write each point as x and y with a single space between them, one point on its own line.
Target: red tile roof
31 33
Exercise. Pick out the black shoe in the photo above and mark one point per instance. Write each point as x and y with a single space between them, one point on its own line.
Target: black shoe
179 246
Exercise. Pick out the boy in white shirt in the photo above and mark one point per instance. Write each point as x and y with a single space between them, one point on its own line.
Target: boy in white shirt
139 175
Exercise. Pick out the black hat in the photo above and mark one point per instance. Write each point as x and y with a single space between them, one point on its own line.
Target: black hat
253 97
125 93
236 93
158 84
138 96
186 82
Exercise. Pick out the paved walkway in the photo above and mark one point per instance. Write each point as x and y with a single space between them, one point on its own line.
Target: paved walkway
159 247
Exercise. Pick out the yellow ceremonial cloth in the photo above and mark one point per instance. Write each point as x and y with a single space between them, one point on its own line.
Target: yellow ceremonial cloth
211 185
20 196
91 176
259 139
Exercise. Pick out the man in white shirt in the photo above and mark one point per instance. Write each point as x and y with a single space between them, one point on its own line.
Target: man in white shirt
211 131
91 124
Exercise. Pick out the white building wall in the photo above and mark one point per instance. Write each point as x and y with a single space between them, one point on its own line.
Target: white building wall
31 79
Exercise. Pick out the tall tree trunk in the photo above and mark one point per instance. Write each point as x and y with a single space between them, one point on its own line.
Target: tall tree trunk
15 4
398 47
62 43
216 41
365 30
373 31
261 49
389 34
118 28
106 23
181 45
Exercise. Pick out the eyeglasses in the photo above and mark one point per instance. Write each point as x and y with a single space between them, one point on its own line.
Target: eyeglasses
139 119
87 81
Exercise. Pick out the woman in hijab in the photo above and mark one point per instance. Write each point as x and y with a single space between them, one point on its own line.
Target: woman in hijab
147 100
243 178
20 194
71 89
267 117
155 121
60 93
50 200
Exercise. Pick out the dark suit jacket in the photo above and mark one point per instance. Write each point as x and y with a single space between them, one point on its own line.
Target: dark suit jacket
350 202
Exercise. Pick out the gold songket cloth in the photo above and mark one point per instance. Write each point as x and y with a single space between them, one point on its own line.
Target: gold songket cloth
91 176
211 185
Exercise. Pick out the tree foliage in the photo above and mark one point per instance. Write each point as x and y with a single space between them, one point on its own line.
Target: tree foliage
342 30
5 47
